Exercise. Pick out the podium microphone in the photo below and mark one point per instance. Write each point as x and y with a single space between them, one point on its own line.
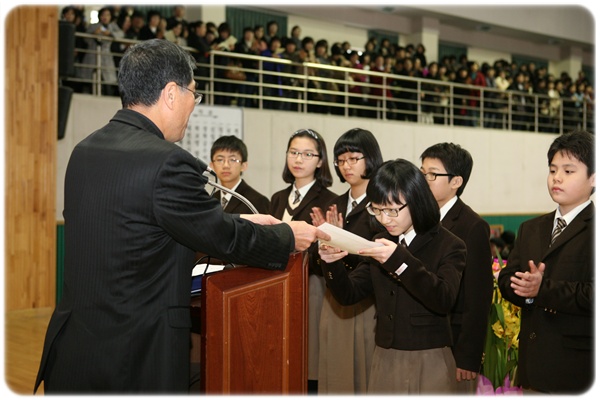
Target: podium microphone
222 188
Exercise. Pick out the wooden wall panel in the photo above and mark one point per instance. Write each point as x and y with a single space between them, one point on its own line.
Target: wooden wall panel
31 90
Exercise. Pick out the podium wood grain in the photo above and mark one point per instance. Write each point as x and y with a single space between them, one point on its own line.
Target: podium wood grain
254 330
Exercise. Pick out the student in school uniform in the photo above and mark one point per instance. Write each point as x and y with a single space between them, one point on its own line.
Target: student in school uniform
447 168
347 332
550 274
308 175
229 159
415 278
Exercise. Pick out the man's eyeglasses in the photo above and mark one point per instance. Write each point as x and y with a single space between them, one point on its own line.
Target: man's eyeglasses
350 161
305 155
430 176
222 161
197 95
390 212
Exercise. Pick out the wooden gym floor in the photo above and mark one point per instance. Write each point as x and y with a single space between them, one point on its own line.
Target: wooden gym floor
24 332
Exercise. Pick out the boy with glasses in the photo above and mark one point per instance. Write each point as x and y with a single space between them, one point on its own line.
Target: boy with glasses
447 168
229 159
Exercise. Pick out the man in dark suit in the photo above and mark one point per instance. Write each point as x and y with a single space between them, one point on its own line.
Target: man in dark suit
136 211
229 159
550 274
447 168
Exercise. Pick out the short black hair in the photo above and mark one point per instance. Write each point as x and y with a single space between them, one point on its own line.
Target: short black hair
455 159
141 82
401 177
578 144
358 140
306 40
322 174
230 143
151 13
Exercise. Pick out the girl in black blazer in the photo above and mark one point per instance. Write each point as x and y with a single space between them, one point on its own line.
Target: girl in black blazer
415 277
307 172
347 332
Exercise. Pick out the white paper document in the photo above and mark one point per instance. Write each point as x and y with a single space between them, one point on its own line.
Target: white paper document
345 240
201 269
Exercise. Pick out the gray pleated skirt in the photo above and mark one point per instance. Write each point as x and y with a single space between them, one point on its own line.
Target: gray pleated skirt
431 371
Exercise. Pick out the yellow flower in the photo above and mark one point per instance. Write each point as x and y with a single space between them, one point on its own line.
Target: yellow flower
498 329
501 348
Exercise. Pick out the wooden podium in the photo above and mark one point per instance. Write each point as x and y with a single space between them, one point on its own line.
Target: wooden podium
254 330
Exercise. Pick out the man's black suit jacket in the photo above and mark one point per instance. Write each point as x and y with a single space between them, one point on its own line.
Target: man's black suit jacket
556 342
136 211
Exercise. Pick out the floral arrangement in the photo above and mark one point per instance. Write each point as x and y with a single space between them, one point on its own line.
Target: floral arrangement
502 341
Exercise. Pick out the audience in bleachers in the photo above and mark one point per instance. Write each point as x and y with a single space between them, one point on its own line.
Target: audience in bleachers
522 81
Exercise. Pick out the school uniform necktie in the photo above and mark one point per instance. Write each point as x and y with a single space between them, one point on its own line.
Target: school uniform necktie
403 243
297 198
354 204
224 202
560 225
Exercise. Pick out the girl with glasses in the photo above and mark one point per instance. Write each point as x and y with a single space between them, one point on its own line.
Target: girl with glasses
415 278
347 332
307 172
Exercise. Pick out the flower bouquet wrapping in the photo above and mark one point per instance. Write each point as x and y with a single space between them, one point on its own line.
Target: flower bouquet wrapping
501 352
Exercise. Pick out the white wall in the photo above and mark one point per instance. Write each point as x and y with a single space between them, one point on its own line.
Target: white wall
332 32
509 174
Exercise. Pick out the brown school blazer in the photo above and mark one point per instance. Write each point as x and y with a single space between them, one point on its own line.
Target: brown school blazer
413 309
358 222
317 196
556 342
235 206
469 317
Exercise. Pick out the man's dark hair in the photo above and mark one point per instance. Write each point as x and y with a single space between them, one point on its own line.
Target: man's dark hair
148 66
454 158
359 140
578 144
230 143
322 174
401 177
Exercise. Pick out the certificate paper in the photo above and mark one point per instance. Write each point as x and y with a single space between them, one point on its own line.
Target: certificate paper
345 240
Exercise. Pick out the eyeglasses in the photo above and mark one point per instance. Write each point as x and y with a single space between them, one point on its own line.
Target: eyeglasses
197 95
430 176
390 212
305 155
350 161
222 161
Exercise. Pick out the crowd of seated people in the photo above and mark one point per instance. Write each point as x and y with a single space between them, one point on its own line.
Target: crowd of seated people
238 85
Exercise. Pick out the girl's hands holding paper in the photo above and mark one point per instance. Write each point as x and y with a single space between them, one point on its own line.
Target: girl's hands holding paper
382 253
331 254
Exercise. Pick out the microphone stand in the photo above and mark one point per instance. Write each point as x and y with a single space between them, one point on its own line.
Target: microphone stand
231 192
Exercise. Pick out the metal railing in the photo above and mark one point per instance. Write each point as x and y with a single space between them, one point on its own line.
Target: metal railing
280 84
